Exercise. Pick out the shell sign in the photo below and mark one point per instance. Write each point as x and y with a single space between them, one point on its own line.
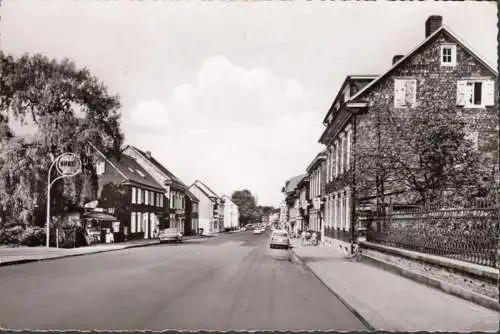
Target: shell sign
69 164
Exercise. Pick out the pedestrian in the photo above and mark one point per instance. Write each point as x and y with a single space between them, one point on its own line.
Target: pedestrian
303 237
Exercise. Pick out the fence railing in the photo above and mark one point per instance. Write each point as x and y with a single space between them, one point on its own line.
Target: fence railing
468 234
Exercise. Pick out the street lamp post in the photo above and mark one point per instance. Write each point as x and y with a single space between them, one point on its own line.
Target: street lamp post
68 165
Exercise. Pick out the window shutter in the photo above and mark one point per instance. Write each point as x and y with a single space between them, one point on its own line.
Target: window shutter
488 93
399 93
461 85
411 92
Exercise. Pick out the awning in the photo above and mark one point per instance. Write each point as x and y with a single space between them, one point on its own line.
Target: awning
100 216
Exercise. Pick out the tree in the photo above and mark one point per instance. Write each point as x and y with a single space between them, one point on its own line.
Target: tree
246 206
69 108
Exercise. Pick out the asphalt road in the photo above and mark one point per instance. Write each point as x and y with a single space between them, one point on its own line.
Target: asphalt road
231 282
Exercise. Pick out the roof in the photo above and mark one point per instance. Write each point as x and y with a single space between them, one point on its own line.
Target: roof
161 167
207 189
349 78
130 170
191 195
100 216
204 189
318 158
133 172
443 29
292 183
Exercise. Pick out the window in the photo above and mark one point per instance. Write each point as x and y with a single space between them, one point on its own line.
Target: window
140 173
475 93
132 222
139 196
146 197
349 143
448 55
134 195
151 198
405 93
161 200
336 159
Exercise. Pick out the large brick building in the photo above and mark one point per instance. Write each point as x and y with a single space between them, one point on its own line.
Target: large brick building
441 74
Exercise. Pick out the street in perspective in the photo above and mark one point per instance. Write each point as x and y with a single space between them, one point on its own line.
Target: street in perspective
308 170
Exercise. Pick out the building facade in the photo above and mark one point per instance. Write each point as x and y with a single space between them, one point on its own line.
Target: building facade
208 207
317 181
140 204
231 214
174 189
440 75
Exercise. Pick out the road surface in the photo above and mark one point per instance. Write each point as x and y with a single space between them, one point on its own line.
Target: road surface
231 282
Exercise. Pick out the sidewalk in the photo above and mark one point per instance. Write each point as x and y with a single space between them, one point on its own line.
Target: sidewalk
388 301
18 255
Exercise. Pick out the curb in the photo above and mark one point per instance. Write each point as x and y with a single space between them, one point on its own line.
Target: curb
296 259
23 261
448 288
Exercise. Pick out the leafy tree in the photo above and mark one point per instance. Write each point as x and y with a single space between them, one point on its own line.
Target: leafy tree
246 205
69 108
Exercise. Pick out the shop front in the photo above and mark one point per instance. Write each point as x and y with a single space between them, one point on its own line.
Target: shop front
101 227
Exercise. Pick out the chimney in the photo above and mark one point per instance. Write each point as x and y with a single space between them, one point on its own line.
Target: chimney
396 58
433 23
148 154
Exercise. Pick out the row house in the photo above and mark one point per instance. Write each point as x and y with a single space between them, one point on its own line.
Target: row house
292 212
231 214
129 193
441 73
192 207
303 204
317 177
179 200
210 208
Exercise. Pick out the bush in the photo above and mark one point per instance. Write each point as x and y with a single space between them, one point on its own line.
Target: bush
11 235
33 236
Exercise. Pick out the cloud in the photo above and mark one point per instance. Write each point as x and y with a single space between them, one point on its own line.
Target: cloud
235 128
149 116
231 93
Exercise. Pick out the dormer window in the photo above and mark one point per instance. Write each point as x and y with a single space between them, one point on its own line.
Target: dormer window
448 55
140 173
131 170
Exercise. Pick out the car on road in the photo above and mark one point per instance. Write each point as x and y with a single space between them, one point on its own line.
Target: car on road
279 239
170 234
258 231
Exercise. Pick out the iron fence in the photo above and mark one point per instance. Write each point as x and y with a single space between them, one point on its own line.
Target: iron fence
468 234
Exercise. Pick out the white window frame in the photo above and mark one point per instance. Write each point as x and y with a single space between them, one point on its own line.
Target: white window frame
337 167
139 196
146 197
466 89
453 55
133 217
400 96
134 195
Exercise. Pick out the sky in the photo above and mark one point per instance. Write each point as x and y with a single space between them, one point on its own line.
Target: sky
232 93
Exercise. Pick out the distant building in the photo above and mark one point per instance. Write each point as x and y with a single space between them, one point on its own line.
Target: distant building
231 214
208 208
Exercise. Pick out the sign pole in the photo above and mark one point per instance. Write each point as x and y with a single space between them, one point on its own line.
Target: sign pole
68 165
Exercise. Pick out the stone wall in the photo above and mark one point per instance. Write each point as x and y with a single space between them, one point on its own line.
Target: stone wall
436 89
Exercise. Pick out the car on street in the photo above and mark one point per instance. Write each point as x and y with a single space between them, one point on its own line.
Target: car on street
258 231
279 239
170 234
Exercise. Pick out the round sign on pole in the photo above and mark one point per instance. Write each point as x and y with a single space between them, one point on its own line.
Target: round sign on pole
69 164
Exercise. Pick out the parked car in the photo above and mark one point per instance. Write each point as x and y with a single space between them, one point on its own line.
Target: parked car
170 234
279 239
